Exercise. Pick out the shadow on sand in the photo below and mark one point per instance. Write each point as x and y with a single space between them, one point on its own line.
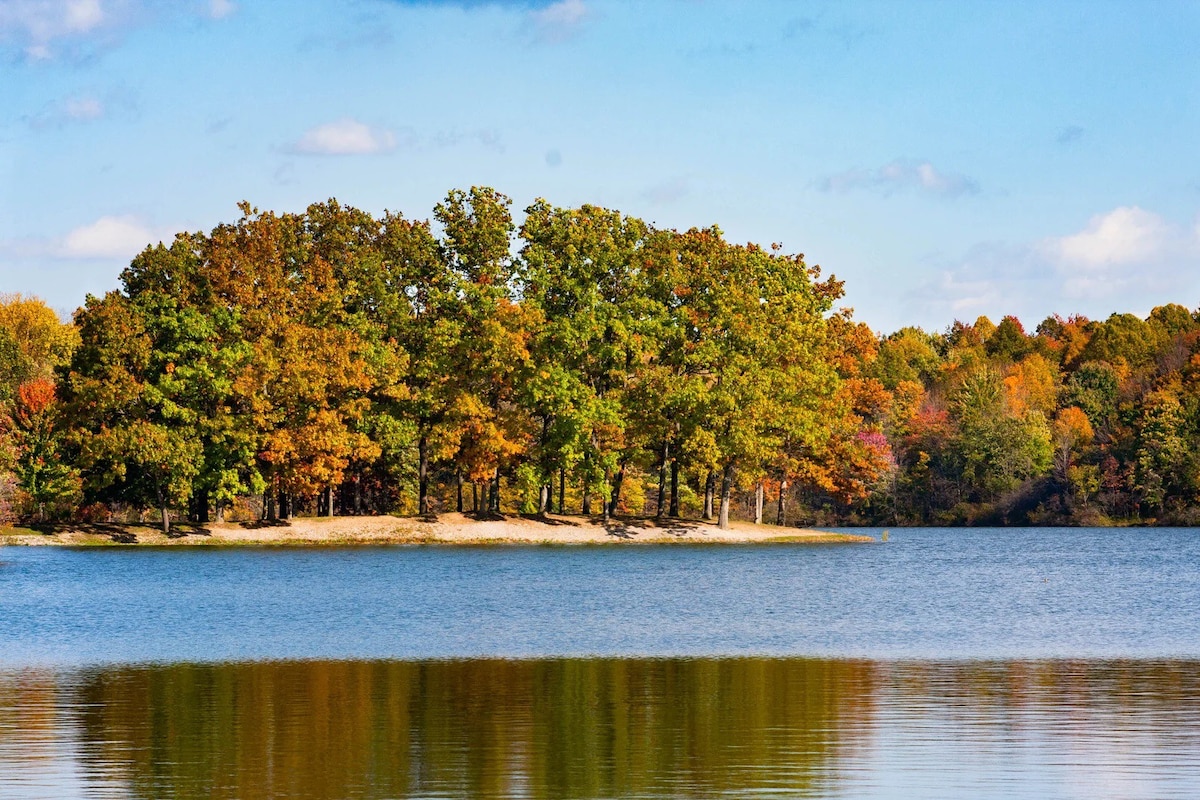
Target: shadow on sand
258 524
629 527
120 533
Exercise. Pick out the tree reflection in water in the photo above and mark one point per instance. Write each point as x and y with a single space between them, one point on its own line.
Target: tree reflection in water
574 728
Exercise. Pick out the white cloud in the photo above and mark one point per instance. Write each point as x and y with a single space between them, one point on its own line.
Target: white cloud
36 24
345 137
83 108
113 237
76 108
42 30
108 237
1125 235
990 278
83 15
559 21
219 9
1128 259
1125 250
902 174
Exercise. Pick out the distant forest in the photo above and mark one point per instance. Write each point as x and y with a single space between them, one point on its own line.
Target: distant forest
331 362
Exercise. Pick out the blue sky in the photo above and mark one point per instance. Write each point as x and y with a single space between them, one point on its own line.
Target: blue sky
945 159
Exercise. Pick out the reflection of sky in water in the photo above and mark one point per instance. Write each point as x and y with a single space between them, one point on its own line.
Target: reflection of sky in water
605 728
931 594
1023 730
38 745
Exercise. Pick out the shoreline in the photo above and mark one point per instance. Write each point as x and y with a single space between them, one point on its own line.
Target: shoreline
452 529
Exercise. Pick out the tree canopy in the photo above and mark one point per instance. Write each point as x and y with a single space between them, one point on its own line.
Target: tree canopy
330 361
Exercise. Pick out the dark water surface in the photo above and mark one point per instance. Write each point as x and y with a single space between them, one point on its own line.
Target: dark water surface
945 663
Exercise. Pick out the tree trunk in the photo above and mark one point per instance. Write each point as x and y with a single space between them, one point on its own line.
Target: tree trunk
458 505
329 500
220 511
543 499
550 495
423 475
474 497
674 510
709 485
758 503
166 520
726 491
200 506
496 492
781 516
358 495
586 507
605 512
664 454
269 512
616 492
562 488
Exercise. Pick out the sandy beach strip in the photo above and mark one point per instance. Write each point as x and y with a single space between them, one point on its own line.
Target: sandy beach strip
445 529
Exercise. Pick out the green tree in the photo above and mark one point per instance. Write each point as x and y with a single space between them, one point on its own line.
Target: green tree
581 273
1166 464
762 346
1123 338
1008 341
134 441
996 450
52 485
909 354
201 347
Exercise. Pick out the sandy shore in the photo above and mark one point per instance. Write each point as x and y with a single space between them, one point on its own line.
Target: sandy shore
447 529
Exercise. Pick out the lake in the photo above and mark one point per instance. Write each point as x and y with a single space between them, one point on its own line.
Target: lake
944 663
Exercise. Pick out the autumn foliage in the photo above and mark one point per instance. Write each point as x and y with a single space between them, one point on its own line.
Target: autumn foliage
333 362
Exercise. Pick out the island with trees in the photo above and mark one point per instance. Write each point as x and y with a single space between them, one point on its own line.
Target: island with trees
332 363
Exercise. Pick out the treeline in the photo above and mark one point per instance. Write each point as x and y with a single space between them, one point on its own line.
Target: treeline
1080 422
330 362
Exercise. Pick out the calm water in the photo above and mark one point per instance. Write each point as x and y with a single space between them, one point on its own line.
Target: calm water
964 663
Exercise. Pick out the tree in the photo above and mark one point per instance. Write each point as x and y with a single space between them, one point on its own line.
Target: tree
1032 385
759 320
133 440
201 349
1008 341
996 450
1122 338
1094 388
582 272
42 474
909 354
303 389
1073 432
34 342
1166 464
486 428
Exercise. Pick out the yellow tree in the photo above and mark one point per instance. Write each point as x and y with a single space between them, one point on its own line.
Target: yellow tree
34 342
485 426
